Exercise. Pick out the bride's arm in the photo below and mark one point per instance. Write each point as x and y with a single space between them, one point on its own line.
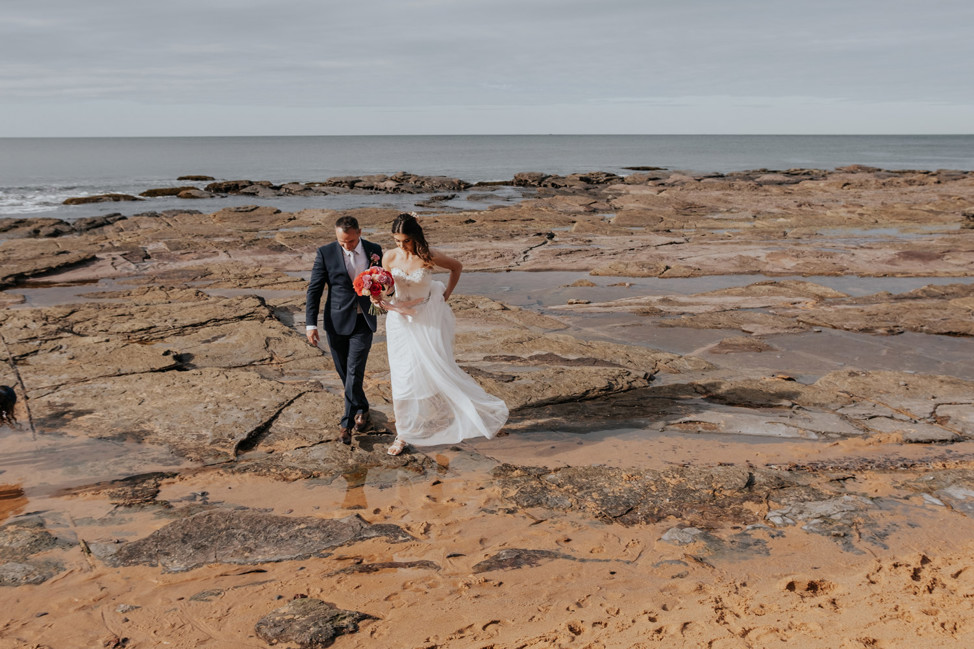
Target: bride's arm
452 265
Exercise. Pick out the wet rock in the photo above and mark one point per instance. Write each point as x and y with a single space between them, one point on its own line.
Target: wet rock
631 269
953 488
682 535
20 539
700 496
711 545
24 537
202 414
957 417
365 457
514 558
20 573
196 177
435 200
752 322
228 186
845 518
529 179
193 193
369 568
245 537
90 223
917 395
740 345
787 424
23 259
100 198
252 217
935 310
308 623
912 431
165 191
131 491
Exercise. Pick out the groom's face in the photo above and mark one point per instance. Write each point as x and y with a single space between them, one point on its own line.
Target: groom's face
348 239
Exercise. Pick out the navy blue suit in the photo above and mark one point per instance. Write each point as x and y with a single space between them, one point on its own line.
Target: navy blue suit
349 332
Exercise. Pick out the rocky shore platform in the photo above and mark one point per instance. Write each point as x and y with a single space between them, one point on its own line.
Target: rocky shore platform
742 415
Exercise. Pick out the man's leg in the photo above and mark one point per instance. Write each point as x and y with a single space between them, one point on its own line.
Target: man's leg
339 346
359 344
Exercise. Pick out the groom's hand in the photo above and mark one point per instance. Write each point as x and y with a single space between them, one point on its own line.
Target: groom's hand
313 337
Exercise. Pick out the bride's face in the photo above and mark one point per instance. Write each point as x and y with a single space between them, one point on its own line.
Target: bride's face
404 243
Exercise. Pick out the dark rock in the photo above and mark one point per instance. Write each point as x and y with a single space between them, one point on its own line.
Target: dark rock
192 193
19 541
228 186
19 573
309 623
24 537
513 558
196 178
844 518
596 178
529 179
739 345
93 222
246 537
132 491
100 198
164 191
701 496
367 568
858 169
434 200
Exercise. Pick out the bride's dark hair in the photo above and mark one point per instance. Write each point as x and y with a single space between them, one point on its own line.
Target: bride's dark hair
407 224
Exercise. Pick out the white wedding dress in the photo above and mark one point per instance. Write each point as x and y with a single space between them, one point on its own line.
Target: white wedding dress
434 401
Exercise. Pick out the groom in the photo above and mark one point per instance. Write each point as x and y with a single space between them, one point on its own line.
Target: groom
348 325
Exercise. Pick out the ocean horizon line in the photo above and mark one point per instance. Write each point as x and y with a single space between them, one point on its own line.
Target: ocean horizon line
486 135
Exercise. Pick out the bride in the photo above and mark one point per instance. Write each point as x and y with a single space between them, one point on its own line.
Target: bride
434 401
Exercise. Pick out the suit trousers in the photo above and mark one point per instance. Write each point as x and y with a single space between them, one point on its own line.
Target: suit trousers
350 354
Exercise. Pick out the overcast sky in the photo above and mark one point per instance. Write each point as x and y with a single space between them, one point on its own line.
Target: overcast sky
323 67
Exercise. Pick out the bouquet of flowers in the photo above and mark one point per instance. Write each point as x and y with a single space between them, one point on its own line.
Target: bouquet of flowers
375 283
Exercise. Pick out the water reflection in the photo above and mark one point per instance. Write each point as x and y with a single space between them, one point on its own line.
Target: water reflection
355 489
12 500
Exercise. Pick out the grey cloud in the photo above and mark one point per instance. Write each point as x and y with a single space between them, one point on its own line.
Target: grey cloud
483 52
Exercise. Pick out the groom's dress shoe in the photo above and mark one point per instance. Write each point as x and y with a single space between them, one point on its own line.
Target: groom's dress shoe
345 436
361 421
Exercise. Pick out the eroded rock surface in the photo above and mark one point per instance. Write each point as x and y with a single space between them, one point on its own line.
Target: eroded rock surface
246 537
308 623
20 541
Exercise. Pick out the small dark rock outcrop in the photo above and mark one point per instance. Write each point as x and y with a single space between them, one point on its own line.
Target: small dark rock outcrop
164 191
529 179
309 623
197 178
228 186
513 558
100 198
246 537
19 541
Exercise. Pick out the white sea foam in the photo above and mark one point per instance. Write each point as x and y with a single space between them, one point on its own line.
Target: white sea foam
34 200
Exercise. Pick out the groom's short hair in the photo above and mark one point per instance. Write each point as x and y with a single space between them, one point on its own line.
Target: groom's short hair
347 223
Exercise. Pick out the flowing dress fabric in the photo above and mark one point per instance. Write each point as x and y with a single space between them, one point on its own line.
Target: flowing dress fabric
435 402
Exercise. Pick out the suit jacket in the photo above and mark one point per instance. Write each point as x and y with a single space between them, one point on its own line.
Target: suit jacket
340 305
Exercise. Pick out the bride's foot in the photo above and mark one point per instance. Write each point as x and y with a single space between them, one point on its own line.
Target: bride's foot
397 446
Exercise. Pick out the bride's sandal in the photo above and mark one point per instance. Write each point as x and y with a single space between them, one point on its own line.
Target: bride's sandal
397 447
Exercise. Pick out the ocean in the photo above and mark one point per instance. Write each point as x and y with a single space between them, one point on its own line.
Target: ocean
37 174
